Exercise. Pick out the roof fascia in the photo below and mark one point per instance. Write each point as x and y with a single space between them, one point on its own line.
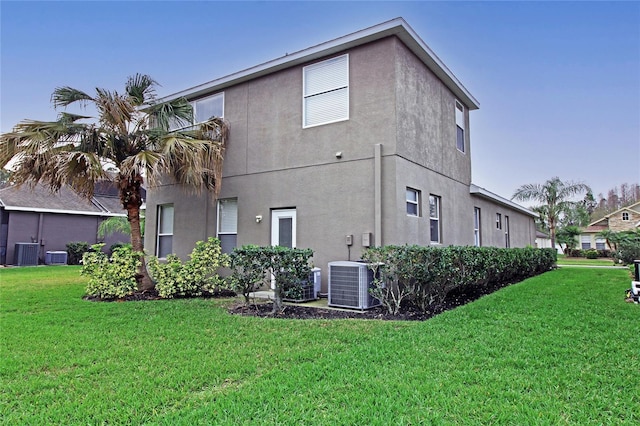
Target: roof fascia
481 192
75 212
395 27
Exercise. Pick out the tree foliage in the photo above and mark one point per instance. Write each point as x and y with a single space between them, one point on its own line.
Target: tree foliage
554 198
130 143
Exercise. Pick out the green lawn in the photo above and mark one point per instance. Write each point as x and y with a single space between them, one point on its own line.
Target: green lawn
582 261
562 348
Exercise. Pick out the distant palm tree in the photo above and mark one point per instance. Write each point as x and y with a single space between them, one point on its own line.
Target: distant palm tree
118 224
131 137
554 198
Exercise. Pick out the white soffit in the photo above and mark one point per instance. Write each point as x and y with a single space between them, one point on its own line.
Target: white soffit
397 27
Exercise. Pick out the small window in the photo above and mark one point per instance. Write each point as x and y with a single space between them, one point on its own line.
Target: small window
585 242
164 244
498 221
625 216
325 92
459 127
476 227
228 224
507 237
206 108
601 244
413 202
434 219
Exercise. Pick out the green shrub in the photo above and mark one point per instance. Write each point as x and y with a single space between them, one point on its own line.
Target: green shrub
110 278
118 245
75 251
254 265
425 276
248 270
194 277
590 254
627 252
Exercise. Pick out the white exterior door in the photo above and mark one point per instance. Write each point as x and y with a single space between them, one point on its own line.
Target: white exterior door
283 228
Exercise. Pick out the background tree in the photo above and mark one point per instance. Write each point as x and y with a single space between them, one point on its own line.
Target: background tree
566 236
119 224
554 197
129 141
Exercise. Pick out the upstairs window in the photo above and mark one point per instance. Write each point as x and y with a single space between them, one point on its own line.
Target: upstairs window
413 202
203 110
498 221
459 126
325 92
434 219
625 216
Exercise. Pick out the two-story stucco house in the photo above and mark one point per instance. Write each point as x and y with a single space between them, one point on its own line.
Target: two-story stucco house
360 141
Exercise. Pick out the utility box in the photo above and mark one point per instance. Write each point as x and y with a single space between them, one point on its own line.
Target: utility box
26 254
55 258
635 284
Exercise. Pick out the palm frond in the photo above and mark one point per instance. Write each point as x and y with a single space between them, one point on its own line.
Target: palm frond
65 96
141 89
174 114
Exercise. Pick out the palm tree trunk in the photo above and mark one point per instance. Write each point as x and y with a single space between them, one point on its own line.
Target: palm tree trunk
131 198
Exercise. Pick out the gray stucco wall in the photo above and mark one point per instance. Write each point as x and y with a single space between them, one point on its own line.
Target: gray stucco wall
53 231
273 163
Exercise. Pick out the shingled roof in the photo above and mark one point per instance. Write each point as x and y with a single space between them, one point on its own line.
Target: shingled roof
41 199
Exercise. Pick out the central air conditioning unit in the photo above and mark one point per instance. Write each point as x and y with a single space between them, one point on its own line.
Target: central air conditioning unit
26 254
56 258
349 284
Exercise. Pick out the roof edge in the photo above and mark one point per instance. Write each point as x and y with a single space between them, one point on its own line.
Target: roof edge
394 27
74 212
476 190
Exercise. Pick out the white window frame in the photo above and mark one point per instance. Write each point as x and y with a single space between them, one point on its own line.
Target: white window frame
498 220
160 235
223 227
585 242
194 105
330 88
460 124
477 235
435 200
413 202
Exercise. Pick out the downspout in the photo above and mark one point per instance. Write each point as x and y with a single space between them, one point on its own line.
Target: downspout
377 200
40 242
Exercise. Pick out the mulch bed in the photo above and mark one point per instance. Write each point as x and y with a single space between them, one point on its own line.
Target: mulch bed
408 313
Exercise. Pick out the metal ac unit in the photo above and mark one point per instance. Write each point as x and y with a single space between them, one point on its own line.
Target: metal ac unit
55 258
26 254
349 284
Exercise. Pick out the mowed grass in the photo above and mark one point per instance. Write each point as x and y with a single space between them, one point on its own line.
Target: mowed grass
561 348
582 261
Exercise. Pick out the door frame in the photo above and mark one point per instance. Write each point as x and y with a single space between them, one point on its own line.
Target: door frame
278 214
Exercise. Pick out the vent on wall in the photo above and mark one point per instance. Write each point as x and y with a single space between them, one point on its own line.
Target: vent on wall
26 254
349 284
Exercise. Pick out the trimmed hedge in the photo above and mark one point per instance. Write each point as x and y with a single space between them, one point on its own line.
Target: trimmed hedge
424 276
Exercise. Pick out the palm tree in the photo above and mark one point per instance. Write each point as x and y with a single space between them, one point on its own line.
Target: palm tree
128 143
554 198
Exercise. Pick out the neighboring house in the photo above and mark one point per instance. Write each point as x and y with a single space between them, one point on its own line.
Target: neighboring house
36 215
624 219
357 142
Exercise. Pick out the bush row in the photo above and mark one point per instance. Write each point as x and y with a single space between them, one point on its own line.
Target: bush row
424 276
